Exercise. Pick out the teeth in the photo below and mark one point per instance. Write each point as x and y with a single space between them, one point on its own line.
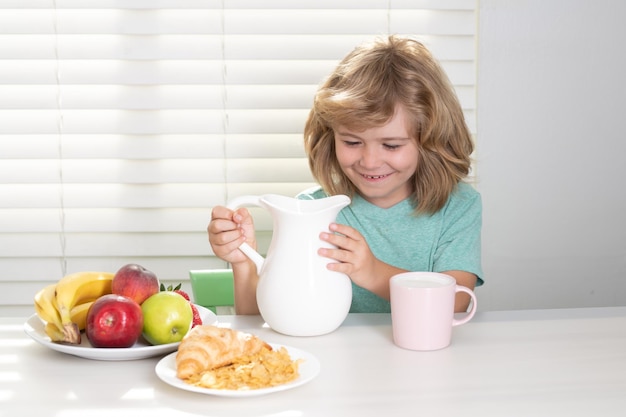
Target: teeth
374 177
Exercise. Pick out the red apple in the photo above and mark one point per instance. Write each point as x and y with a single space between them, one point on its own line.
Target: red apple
114 321
136 282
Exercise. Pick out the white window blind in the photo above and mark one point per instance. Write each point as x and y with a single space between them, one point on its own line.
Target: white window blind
122 123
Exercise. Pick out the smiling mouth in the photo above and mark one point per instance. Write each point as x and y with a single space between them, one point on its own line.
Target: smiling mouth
374 177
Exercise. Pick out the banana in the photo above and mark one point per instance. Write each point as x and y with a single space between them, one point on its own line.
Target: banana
79 314
76 293
45 306
76 289
46 309
54 333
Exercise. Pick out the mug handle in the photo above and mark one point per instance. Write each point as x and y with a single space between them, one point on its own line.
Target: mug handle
470 314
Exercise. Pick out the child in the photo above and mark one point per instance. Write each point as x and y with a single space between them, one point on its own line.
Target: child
386 129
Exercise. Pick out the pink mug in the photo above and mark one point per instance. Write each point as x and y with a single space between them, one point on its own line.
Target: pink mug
422 309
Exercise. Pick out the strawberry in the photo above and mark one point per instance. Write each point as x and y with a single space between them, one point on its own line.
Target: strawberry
176 289
197 320
184 294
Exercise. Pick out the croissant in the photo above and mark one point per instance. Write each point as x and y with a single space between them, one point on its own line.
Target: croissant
208 347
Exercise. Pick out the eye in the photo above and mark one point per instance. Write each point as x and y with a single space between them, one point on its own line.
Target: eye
351 143
390 146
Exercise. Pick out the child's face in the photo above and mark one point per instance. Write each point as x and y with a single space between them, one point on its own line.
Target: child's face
379 161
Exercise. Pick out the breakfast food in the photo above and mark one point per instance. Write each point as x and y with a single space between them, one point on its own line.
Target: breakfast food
268 368
221 358
209 347
64 305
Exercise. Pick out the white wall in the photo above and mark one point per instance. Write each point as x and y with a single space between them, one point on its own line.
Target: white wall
552 152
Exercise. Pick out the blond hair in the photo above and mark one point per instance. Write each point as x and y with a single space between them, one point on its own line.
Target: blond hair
364 91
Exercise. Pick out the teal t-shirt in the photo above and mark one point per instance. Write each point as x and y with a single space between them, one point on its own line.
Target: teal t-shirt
446 240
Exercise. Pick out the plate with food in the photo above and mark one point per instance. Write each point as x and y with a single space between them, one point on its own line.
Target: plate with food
229 363
35 328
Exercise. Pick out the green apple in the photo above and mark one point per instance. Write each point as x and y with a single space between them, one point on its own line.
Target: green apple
167 317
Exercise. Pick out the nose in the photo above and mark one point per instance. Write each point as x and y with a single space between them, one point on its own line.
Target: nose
370 157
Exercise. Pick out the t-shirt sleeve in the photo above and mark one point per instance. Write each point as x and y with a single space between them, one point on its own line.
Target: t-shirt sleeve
459 246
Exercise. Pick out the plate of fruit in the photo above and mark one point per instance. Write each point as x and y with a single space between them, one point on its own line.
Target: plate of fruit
119 316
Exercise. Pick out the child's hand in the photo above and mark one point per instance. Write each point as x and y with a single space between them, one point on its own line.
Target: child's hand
227 230
353 254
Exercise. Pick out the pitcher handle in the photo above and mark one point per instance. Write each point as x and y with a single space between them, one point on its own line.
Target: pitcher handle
251 200
253 255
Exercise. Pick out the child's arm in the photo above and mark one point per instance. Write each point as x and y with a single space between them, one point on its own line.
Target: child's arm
246 280
227 231
356 260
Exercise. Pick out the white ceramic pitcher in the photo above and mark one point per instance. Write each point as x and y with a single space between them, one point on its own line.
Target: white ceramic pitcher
296 294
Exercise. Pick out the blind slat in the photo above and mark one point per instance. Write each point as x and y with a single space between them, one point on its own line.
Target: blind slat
210 47
236 21
89 220
251 145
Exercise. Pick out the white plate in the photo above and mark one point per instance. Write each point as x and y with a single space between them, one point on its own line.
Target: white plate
34 327
309 369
